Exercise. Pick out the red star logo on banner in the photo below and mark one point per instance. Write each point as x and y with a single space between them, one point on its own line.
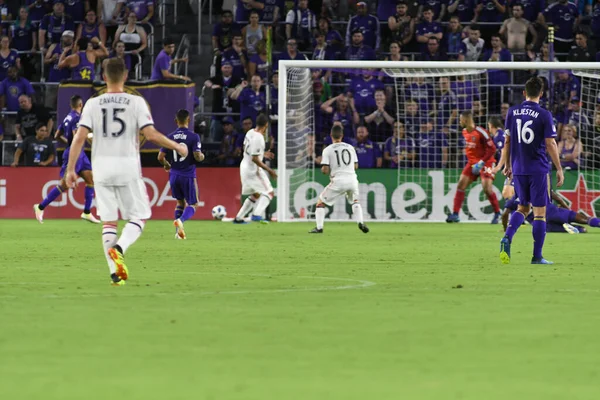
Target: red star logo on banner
581 198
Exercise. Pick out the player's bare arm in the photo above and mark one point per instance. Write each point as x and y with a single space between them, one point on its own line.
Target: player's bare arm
198 156
163 161
553 152
256 160
60 136
506 158
325 169
556 197
161 140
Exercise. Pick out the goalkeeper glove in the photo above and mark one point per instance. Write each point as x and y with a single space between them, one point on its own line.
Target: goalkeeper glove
476 169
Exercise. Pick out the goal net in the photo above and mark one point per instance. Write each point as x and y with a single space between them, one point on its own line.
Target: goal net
403 119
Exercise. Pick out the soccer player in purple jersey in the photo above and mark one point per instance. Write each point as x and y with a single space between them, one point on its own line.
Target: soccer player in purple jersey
559 219
65 133
496 129
530 131
182 171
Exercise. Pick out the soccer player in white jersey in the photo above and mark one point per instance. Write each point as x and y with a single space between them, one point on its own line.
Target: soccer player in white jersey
115 118
253 173
340 162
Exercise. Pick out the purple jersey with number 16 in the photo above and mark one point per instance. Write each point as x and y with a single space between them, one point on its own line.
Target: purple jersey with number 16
529 125
182 175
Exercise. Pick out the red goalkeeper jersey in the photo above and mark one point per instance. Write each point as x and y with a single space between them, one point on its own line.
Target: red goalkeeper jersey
479 145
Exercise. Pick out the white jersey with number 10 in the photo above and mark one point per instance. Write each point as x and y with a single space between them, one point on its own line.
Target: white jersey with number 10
340 157
116 120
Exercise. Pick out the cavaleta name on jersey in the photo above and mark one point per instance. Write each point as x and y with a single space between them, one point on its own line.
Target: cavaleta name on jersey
114 100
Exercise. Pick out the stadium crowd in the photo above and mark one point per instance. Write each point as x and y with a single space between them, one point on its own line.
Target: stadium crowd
44 42
413 123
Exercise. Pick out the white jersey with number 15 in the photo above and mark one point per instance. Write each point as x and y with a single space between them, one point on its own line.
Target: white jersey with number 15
116 120
340 157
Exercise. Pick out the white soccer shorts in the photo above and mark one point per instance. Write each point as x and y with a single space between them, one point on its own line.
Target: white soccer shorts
131 200
256 183
338 187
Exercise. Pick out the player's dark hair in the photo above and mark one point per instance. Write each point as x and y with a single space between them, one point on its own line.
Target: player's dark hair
262 120
337 132
467 114
496 122
39 125
533 87
115 69
82 43
75 101
182 115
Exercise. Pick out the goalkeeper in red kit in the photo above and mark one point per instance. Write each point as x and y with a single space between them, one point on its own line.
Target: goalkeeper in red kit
480 150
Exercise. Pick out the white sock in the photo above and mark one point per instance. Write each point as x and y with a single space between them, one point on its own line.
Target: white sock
357 213
109 239
262 205
131 233
320 217
248 205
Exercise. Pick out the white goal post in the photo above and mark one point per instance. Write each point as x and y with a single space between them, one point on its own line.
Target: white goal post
421 193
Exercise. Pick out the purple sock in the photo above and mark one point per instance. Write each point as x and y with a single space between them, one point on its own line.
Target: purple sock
178 212
54 193
515 222
89 196
539 234
187 213
595 222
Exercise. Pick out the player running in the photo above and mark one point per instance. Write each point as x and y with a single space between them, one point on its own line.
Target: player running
529 132
480 150
116 118
182 171
253 173
340 162
65 133
558 219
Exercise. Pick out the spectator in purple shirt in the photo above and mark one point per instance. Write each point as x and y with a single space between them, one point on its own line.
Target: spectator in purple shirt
412 118
222 86
365 23
386 9
428 28
380 121
243 8
8 57
362 88
24 38
12 88
595 23
359 51
453 38
564 89
433 51
438 7
162 64
490 11
252 99
463 9
301 24
447 108
399 150
119 52
292 53
231 152
37 9
497 78
237 56
143 9
223 33
257 64
564 16
344 113
432 147
368 152
332 37
422 93
53 25
76 9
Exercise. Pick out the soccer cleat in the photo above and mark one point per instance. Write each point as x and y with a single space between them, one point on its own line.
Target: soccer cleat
570 229
179 228
257 218
239 221
453 218
116 281
505 251
542 261
363 228
90 218
39 214
496 218
117 257
316 230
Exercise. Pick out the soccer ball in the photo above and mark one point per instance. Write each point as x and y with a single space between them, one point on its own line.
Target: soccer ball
219 212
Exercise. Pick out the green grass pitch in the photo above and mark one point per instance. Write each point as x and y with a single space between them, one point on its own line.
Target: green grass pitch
408 311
